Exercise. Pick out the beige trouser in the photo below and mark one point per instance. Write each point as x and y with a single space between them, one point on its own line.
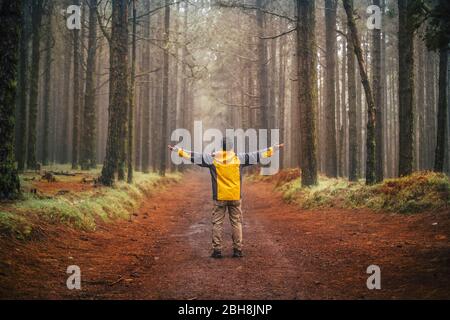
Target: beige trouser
218 217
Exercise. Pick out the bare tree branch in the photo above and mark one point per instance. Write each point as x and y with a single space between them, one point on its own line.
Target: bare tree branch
157 9
102 27
233 4
279 35
236 105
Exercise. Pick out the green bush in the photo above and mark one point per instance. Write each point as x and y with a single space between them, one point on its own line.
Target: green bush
80 209
14 225
421 191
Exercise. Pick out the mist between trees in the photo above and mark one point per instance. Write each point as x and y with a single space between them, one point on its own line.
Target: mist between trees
348 100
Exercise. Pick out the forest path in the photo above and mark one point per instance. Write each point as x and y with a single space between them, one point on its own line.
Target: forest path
163 251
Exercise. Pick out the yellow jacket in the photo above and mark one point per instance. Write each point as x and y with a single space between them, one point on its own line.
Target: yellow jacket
226 169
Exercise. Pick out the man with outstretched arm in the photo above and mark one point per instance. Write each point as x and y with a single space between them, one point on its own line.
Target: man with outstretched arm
225 167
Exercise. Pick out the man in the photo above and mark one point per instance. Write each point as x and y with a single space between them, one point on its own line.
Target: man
225 168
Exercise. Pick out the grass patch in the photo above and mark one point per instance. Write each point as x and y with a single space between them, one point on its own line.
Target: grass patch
14 225
79 209
421 191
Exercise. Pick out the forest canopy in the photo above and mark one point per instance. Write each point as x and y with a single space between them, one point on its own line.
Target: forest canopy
357 89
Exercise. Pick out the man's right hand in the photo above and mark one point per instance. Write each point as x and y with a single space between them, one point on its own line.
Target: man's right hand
172 148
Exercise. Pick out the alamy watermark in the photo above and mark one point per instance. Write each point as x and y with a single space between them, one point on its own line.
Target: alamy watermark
73 20
74 280
246 141
374 20
374 280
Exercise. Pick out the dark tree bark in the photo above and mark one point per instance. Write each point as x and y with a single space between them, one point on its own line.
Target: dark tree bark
295 115
330 86
263 80
384 112
76 96
352 131
66 97
184 85
130 149
378 99
88 156
438 39
442 134
165 93
421 106
282 94
22 89
47 83
36 18
307 89
430 116
174 79
272 79
156 114
344 134
370 138
338 120
10 20
359 121
118 87
156 105
405 88
122 148
146 94
138 126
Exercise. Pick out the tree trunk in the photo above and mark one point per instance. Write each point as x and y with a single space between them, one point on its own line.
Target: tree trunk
307 89
378 99
421 106
344 139
156 117
118 87
405 88
295 150
66 99
384 113
272 87
352 130
282 95
442 134
130 149
10 19
46 93
330 86
165 93
146 94
174 83
88 157
76 96
262 68
339 128
21 114
36 17
184 86
370 135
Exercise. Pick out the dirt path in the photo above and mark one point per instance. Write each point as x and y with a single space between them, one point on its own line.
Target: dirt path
162 252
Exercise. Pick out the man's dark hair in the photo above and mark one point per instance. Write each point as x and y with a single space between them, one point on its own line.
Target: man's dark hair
227 144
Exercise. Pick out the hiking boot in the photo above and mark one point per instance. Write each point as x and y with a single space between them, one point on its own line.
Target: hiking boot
217 254
237 253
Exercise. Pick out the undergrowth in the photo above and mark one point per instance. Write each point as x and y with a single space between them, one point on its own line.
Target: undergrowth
421 191
80 210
